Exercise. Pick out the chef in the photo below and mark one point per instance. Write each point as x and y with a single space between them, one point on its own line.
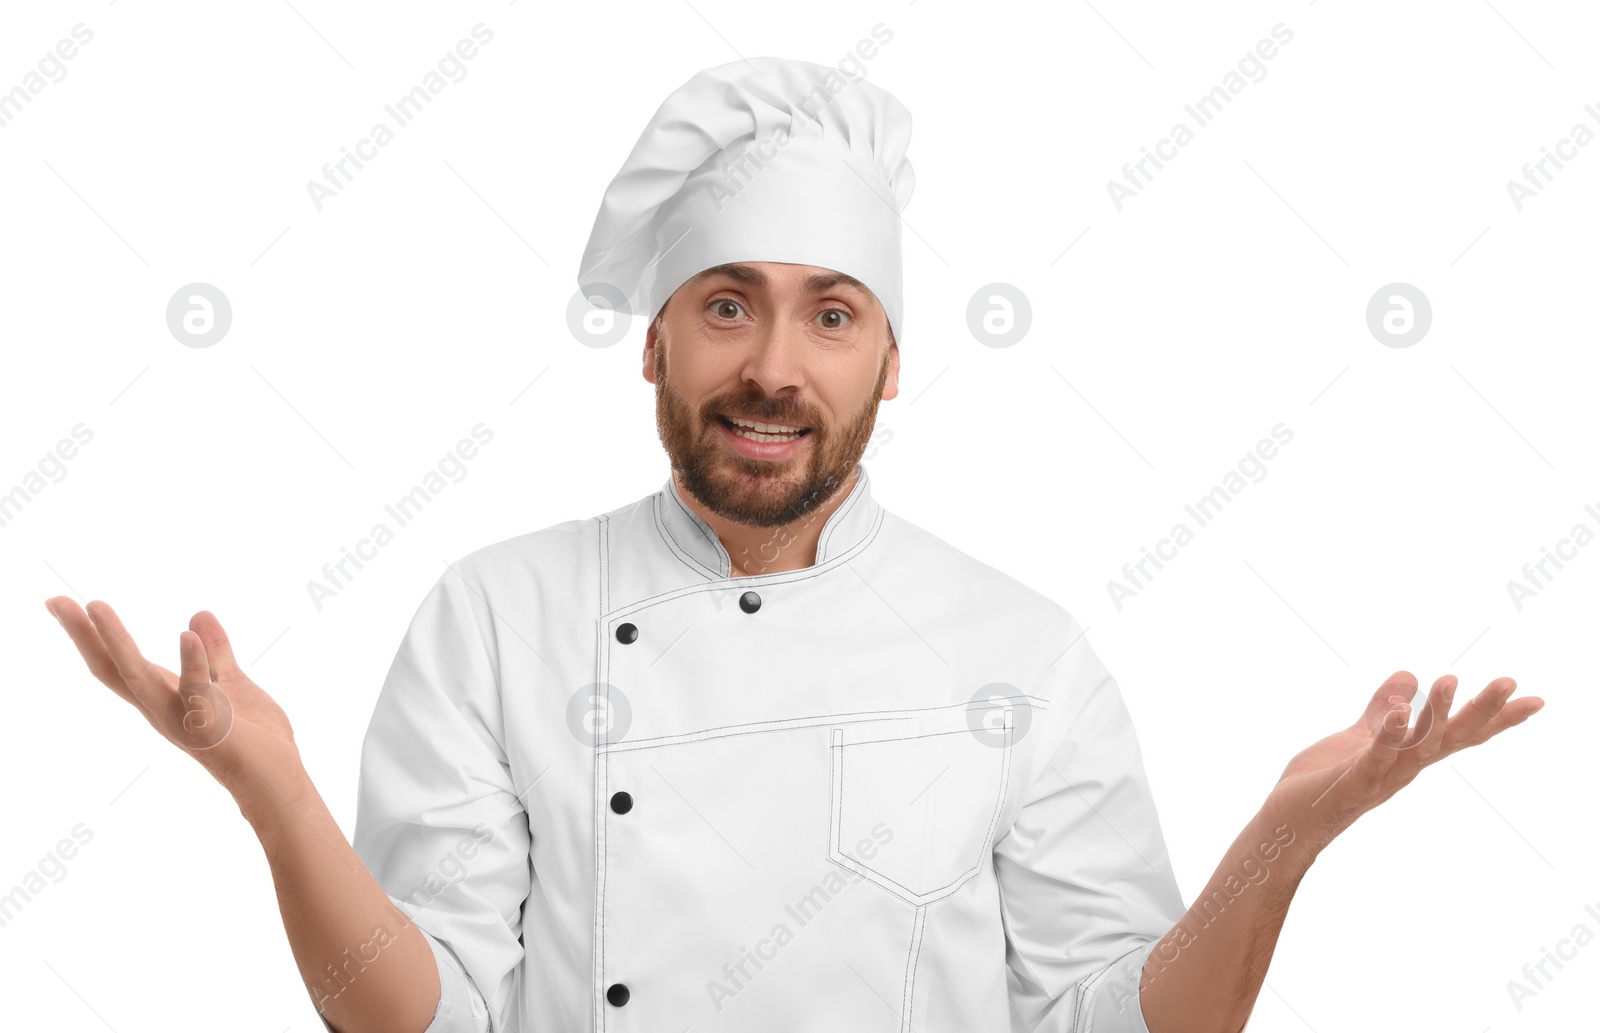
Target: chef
753 753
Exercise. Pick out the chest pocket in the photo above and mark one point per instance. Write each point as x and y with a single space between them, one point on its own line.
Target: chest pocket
915 802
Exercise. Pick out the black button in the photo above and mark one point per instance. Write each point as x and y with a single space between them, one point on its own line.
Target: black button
617 994
749 602
626 633
622 803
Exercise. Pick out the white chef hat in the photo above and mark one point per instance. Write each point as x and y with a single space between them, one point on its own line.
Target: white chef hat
759 160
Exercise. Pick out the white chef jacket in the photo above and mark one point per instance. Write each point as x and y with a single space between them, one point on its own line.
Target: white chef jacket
825 833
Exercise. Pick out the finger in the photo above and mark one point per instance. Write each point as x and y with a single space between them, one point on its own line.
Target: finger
1402 684
1500 715
1511 715
207 713
150 683
81 630
1476 714
219 651
1385 748
1433 720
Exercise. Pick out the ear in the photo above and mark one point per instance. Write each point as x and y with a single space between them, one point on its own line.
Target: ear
891 382
650 344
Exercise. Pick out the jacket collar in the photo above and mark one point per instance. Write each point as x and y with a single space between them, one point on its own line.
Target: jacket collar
693 540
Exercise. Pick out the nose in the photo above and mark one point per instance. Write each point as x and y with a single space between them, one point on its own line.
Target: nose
776 361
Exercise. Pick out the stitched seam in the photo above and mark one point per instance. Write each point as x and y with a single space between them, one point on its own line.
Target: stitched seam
696 523
908 990
1087 984
836 817
601 781
779 578
999 803
915 897
673 546
1084 985
837 520
804 721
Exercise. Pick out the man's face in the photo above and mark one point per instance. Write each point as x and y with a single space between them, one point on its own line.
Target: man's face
803 352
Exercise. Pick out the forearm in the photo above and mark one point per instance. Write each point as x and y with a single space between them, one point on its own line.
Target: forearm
1204 975
368 968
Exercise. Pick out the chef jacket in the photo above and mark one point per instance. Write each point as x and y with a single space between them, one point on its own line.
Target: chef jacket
618 789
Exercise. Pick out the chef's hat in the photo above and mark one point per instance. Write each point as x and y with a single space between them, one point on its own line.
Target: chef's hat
761 160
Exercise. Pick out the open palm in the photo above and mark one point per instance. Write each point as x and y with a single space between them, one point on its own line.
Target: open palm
1335 780
211 710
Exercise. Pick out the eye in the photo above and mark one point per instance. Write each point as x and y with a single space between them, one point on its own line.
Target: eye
833 318
721 307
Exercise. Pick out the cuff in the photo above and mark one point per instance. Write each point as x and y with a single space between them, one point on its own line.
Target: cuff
461 1008
1108 1001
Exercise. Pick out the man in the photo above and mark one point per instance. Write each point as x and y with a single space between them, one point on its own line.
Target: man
752 753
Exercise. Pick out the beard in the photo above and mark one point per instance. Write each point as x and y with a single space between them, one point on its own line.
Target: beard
758 492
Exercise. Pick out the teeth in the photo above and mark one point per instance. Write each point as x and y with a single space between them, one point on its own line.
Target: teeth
764 432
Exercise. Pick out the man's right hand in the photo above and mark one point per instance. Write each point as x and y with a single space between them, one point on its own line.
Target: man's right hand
212 711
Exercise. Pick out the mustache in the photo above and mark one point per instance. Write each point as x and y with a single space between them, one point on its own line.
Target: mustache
764 410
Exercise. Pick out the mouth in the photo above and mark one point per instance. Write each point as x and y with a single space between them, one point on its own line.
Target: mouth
761 439
761 431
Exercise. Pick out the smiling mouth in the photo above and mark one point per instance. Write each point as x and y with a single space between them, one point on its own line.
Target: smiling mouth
761 431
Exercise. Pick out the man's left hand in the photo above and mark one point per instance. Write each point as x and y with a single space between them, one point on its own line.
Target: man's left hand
1331 783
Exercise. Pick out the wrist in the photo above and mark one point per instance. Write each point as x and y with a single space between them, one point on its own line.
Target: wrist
266 802
1287 842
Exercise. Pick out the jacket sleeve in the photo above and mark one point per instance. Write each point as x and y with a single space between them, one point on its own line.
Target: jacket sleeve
1086 885
439 822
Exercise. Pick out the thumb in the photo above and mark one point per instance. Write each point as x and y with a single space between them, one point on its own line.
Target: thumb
207 711
1386 744
219 651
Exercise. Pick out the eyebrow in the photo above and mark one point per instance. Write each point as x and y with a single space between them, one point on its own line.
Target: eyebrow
750 276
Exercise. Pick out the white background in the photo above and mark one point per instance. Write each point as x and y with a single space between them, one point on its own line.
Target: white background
1168 337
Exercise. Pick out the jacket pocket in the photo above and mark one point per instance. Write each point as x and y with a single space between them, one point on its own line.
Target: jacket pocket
914 810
